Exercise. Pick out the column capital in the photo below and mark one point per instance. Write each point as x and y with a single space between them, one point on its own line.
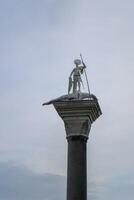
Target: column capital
78 115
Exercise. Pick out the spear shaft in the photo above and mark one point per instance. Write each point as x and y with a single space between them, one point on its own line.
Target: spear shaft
85 74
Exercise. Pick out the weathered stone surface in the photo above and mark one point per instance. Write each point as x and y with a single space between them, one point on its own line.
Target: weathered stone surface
78 115
76 169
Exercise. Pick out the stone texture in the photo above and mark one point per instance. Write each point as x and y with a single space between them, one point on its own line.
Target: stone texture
76 169
78 115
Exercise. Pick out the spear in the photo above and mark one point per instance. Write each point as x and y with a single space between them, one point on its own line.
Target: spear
85 73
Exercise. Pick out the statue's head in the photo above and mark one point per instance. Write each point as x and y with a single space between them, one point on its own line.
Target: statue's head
77 62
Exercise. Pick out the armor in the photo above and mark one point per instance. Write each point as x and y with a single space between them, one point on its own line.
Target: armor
77 81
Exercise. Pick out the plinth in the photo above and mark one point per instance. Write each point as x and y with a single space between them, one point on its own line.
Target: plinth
78 115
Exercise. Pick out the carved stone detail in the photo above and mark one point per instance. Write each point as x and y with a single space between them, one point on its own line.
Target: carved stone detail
78 116
77 126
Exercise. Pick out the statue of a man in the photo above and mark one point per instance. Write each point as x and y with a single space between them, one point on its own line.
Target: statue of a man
76 73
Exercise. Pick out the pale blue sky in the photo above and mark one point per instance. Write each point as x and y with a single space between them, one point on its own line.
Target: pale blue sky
38 43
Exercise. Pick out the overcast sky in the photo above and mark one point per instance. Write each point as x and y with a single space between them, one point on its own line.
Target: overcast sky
38 42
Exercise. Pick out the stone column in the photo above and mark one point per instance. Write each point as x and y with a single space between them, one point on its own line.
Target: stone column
76 171
78 116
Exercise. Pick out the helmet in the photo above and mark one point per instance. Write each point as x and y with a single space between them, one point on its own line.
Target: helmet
77 61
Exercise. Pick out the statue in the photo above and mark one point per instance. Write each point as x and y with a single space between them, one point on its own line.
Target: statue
74 85
77 81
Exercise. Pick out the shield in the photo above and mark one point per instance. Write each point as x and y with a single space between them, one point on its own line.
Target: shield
70 84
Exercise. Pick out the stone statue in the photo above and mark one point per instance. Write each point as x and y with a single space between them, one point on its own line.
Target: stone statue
75 84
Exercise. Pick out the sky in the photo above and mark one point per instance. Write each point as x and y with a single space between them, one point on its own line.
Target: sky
39 41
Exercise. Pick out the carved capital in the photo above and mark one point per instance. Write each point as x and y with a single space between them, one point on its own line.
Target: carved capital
77 126
78 115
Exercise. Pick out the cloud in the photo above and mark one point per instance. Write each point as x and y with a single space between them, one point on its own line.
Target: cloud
39 40
19 183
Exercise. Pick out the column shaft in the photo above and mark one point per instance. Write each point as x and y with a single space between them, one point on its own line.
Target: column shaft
77 172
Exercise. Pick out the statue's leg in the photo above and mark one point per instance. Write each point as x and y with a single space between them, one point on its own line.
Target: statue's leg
74 85
78 85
